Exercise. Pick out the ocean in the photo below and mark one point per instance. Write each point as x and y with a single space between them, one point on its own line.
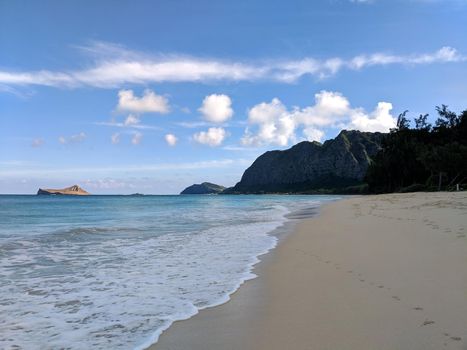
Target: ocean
113 272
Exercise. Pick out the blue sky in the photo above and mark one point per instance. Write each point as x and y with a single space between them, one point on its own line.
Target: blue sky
152 96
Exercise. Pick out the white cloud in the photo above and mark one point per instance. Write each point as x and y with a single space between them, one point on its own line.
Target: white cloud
329 106
193 124
312 134
78 138
72 139
276 124
291 71
171 139
149 102
123 125
115 138
212 137
217 108
131 120
444 55
115 66
137 138
379 120
37 142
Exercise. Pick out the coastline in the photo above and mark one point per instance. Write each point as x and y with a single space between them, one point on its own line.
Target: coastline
384 272
229 307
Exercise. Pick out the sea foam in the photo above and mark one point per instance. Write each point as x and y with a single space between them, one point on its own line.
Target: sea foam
119 281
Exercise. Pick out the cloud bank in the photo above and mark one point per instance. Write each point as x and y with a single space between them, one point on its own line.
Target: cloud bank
115 66
274 123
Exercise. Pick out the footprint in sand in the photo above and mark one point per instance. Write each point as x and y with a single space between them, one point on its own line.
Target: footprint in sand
427 322
395 297
381 286
418 308
456 338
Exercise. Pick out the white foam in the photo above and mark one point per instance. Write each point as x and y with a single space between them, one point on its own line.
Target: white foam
124 292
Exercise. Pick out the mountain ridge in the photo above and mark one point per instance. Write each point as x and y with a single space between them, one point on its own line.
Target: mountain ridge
309 167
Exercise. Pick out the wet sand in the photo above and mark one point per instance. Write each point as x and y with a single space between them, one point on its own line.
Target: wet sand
374 272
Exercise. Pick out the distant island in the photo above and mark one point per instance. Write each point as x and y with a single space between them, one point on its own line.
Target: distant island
204 188
74 190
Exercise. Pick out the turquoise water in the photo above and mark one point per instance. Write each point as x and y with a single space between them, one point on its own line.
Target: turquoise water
106 272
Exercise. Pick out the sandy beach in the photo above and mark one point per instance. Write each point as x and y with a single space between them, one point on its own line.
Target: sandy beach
374 272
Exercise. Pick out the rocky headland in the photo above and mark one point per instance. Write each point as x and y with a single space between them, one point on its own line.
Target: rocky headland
203 188
338 165
74 190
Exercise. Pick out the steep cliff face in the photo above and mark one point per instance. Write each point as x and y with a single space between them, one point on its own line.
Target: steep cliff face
204 188
74 190
337 163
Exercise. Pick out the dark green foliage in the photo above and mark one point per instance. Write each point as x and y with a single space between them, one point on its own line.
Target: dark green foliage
421 123
423 158
402 121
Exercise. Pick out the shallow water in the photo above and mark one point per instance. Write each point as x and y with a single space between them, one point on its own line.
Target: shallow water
106 272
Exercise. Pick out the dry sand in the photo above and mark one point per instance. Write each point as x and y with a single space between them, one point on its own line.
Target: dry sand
375 272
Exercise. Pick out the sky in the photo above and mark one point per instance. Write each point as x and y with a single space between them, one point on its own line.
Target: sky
153 96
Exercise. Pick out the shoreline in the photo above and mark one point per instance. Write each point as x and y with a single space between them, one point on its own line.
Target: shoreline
384 272
280 233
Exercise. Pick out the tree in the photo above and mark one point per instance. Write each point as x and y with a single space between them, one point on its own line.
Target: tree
421 123
402 121
423 157
447 118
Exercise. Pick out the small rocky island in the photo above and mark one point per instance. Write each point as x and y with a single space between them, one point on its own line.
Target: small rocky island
74 190
204 188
